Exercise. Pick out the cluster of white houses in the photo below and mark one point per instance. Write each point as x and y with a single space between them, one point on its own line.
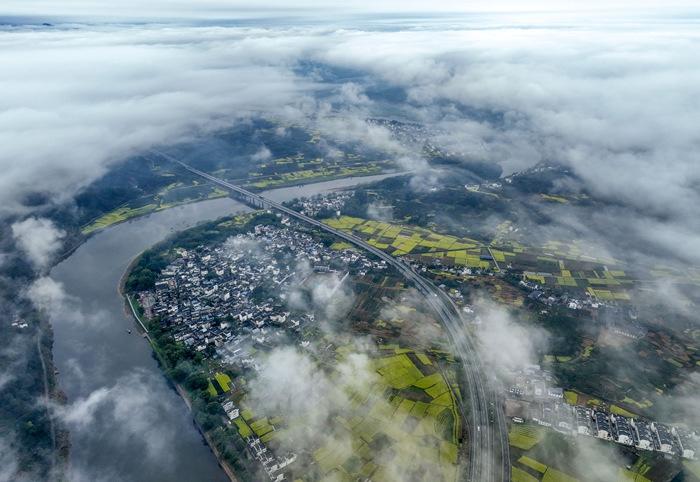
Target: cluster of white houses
208 296
272 465
332 202
219 300
533 397
643 434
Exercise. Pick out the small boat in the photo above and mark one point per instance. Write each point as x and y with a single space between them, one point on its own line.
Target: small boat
129 331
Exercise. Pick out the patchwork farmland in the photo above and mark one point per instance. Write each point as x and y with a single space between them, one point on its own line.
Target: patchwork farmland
560 265
404 424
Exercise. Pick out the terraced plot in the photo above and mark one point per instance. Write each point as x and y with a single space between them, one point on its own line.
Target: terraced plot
415 420
416 242
525 436
403 425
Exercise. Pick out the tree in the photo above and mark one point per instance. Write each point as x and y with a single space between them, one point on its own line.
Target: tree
196 381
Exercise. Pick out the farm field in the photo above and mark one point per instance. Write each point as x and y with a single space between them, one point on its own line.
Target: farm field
542 455
525 436
176 194
404 422
219 384
555 264
416 242
324 172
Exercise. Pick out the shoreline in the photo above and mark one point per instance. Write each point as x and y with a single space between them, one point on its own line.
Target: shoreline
131 311
86 236
80 239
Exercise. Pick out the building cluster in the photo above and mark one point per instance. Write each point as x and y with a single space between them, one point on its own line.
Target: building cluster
329 203
643 434
271 464
222 300
19 323
215 296
407 132
533 397
547 296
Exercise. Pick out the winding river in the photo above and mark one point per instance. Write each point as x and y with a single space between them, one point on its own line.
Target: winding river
126 423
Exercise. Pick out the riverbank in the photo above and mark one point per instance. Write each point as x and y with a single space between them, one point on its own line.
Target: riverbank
91 228
94 352
178 388
131 311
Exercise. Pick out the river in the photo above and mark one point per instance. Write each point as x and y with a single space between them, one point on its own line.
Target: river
126 423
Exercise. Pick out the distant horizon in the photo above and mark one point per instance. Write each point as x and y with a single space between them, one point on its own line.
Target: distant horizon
482 20
217 10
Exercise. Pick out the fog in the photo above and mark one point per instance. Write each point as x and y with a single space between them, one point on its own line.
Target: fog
617 103
614 97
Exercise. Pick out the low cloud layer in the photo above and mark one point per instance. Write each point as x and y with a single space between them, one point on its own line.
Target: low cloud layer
167 9
291 384
80 99
39 238
617 103
128 410
503 342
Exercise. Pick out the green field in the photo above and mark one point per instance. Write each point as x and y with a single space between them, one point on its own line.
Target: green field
421 243
519 475
621 411
219 384
171 196
407 419
420 417
525 436
571 397
117 216
319 174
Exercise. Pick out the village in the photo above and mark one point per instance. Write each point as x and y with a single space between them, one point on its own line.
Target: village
214 298
533 397
227 301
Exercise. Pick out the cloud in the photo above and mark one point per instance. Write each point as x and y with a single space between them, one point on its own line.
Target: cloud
681 406
353 94
8 461
78 100
608 101
503 342
130 410
39 238
293 385
242 244
47 294
50 296
328 295
263 154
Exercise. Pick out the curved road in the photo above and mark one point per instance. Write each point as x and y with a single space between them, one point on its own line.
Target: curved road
489 458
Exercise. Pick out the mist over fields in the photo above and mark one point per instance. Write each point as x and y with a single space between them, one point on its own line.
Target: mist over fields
616 103
613 97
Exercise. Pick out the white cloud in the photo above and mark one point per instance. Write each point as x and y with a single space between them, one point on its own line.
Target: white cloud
8 461
616 102
504 343
263 154
47 294
50 296
113 409
39 239
77 100
353 94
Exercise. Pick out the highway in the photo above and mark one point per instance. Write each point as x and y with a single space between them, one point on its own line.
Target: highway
489 458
